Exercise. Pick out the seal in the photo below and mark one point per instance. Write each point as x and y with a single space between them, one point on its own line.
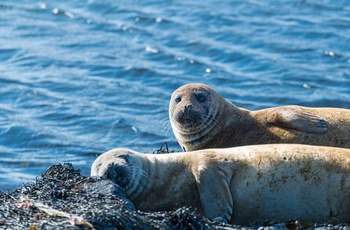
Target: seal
201 118
237 185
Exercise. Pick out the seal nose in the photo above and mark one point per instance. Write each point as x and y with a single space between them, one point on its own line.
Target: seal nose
187 109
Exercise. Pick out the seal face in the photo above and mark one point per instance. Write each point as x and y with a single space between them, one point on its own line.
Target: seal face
122 167
121 172
194 113
238 185
201 118
198 108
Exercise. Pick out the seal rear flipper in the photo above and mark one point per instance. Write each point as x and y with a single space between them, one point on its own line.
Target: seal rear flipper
298 119
215 194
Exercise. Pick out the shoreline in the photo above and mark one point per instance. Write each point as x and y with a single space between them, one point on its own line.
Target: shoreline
62 198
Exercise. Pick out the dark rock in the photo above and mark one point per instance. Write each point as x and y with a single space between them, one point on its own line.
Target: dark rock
64 199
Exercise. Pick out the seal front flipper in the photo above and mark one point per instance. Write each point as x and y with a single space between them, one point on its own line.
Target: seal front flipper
297 118
214 192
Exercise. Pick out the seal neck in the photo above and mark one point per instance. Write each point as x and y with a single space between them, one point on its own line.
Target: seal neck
226 116
143 175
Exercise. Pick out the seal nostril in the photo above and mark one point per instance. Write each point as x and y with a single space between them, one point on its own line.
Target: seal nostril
187 108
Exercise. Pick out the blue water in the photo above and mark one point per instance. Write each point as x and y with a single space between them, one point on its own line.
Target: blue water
78 78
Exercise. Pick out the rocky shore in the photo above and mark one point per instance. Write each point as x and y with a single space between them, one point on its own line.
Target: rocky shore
62 198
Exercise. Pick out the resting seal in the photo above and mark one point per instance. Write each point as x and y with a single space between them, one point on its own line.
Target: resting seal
201 118
238 185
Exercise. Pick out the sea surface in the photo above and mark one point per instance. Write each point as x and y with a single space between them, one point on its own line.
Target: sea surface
80 77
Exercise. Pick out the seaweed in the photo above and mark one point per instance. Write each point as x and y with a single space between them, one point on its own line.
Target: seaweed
62 198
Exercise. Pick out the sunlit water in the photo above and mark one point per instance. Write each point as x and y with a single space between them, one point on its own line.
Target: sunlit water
78 78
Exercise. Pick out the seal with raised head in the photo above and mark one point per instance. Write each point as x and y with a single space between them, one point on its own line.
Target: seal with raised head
201 118
237 185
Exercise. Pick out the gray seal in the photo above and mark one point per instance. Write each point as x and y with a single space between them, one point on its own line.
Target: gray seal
237 185
201 118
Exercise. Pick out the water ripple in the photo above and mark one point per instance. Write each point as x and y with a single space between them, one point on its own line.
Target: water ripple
78 78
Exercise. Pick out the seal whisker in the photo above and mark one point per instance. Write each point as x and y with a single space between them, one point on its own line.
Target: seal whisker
214 120
165 120
167 128
166 125
140 175
139 184
143 177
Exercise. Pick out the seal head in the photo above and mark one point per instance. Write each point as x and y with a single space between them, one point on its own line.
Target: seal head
195 111
124 169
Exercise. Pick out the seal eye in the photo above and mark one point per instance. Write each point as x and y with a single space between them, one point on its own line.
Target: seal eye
200 97
177 100
126 158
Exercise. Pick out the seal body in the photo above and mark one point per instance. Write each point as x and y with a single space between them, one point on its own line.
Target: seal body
201 118
237 185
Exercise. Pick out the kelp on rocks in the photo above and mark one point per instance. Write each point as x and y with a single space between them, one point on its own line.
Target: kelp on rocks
62 198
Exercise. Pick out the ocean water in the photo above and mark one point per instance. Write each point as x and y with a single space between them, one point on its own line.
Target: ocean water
80 77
